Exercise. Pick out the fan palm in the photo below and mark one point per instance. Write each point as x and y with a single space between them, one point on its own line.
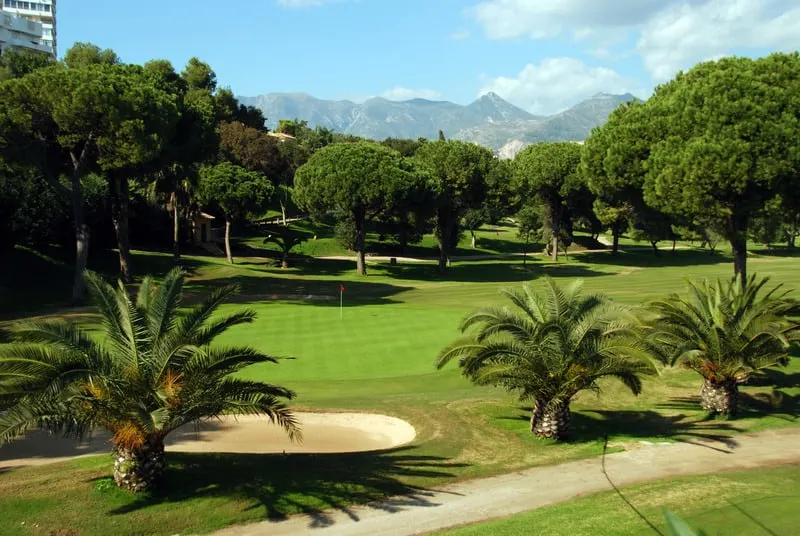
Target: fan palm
154 372
552 346
726 332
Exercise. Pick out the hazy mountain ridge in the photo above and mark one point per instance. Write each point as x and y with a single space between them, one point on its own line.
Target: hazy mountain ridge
490 121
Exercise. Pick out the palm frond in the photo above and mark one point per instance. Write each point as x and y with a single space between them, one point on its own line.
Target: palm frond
163 306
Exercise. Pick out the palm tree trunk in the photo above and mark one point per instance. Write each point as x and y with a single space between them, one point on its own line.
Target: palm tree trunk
550 420
140 469
720 397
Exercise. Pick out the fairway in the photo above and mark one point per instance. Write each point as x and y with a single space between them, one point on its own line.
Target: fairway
376 354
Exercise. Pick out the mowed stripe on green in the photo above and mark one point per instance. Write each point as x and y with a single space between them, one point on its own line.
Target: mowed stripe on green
367 342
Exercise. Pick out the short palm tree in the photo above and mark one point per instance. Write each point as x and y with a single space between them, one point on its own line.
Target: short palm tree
552 346
154 371
725 332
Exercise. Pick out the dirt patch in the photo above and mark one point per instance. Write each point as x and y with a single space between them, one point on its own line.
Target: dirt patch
322 433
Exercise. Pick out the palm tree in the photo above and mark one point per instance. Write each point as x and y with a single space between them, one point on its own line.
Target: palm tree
154 371
726 332
554 345
287 239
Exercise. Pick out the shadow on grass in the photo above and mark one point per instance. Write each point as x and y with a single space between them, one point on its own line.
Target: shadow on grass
41 280
321 292
643 257
279 485
777 378
595 425
487 271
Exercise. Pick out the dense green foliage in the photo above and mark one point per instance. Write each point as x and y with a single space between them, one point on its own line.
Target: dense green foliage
557 344
458 171
155 371
726 332
547 173
235 191
356 182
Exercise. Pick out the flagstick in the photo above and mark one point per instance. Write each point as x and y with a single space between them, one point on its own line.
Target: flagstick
341 302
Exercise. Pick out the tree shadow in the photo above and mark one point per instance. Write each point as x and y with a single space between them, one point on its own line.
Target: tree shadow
776 403
773 377
595 425
776 251
487 271
321 292
638 256
278 485
40 281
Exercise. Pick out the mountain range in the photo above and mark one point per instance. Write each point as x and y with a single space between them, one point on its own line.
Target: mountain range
489 121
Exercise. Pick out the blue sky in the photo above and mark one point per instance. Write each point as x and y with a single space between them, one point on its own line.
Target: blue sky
542 55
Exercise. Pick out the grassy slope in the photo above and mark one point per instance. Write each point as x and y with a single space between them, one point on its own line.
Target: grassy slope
744 503
379 357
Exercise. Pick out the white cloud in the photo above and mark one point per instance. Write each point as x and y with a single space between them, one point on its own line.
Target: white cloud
679 37
540 19
671 34
404 94
459 35
558 83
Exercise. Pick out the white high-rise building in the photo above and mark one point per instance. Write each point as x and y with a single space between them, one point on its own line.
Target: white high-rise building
18 33
43 11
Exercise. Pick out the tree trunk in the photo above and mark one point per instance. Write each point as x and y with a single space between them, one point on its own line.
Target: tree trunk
655 247
737 234
556 230
361 264
555 223
142 469
81 238
615 242
228 239
525 252
283 212
119 215
550 420
673 245
176 228
720 397
444 242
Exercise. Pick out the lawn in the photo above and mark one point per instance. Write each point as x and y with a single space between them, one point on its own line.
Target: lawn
378 356
744 503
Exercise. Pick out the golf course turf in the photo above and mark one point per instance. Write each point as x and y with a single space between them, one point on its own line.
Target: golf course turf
376 354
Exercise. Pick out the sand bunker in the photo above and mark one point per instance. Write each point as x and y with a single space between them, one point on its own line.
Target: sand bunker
322 433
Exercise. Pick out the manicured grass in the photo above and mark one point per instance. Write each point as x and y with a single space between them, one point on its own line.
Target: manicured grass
744 503
490 240
379 357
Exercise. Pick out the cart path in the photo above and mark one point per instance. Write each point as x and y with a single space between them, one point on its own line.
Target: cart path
480 500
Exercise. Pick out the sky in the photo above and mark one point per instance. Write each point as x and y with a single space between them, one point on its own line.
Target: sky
542 55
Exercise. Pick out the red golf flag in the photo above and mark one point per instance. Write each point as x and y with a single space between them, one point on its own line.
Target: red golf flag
341 288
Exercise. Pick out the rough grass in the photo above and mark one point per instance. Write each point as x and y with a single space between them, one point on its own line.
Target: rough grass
378 356
744 503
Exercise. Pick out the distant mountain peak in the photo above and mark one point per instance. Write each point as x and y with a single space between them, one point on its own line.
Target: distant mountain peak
490 120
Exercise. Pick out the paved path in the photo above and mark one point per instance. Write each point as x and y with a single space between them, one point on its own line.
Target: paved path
505 495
